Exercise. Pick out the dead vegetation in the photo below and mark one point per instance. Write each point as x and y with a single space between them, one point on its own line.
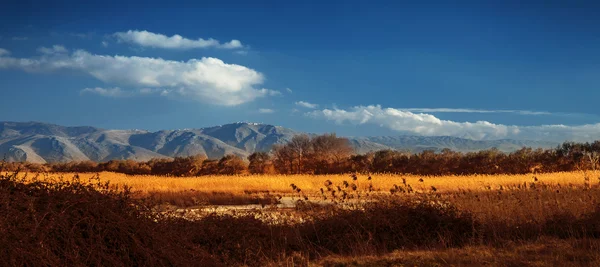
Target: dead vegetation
543 252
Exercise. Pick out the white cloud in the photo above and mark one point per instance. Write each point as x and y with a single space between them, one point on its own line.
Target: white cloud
207 79
241 52
55 49
232 44
105 43
265 110
306 104
149 91
118 92
467 110
427 124
273 92
108 92
4 52
289 90
156 40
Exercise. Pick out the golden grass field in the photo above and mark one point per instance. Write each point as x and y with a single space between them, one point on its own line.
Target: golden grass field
311 184
490 197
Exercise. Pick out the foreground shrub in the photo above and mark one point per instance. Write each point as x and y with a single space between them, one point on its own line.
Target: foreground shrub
377 228
76 223
239 240
568 226
388 225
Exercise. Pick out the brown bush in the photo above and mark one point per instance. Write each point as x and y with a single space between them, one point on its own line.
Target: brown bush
77 223
384 226
240 240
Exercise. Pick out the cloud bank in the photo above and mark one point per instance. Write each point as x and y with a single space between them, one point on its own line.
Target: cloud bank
107 92
208 79
306 105
426 124
265 110
156 40
55 49
468 110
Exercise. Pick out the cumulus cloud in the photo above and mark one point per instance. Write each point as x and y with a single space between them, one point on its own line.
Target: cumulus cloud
467 110
427 124
149 91
55 49
265 110
117 92
207 79
232 44
156 40
4 52
108 92
306 104
274 93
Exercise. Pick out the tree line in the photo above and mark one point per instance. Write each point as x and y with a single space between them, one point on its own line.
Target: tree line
329 154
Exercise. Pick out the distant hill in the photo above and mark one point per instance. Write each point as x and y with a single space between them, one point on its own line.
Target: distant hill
43 142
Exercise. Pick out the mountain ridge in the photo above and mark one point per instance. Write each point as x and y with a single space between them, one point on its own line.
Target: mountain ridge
45 142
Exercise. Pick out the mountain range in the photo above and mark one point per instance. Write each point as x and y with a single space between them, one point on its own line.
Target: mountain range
43 142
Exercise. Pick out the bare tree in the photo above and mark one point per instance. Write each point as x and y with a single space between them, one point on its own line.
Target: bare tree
329 153
232 164
301 148
260 162
283 158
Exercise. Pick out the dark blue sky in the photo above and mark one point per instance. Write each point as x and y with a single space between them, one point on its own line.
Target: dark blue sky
521 58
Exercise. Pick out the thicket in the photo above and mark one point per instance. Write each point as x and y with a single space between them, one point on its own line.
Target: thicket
329 154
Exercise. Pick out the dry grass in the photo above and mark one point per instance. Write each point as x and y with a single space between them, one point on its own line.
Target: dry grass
497 199
527 205
313 183
543 252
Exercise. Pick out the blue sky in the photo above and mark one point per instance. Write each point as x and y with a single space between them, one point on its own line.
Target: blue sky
499 69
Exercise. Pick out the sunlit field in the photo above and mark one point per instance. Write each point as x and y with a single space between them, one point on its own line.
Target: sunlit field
311 184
